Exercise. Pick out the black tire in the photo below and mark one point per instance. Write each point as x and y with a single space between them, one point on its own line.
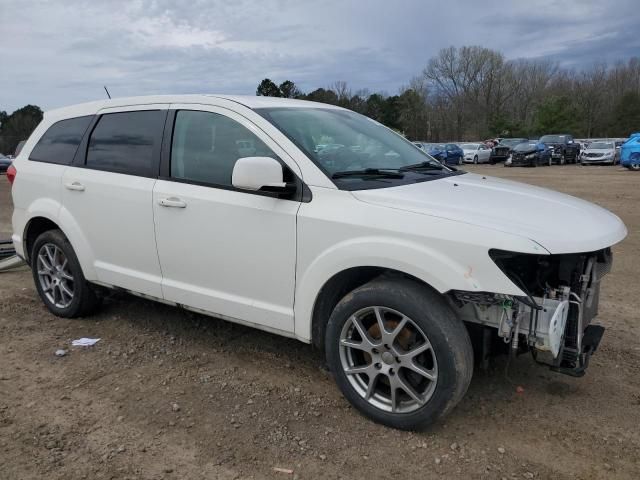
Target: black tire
475 159
446 333
84 300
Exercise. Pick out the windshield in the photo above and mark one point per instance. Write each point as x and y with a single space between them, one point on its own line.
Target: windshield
512 142
552 139
595 145
526 146
352 143
469 146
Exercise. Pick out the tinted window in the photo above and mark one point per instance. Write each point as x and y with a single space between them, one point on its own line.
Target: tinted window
127 142
60 142
206 146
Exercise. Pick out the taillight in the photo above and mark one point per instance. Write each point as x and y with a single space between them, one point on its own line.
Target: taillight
11 174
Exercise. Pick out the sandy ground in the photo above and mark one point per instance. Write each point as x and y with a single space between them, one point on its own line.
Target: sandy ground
173 395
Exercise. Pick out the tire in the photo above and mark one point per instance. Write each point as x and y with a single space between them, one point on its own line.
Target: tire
448 354
460 161
635 166
563 160
475 159
50 250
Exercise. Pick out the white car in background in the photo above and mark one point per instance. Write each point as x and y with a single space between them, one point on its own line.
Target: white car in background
475 152
600 151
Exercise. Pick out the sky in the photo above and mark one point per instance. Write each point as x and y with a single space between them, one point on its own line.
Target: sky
61 52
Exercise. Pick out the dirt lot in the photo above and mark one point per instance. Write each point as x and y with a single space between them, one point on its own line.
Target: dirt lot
169 394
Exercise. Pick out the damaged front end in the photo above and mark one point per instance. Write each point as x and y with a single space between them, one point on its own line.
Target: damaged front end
553 319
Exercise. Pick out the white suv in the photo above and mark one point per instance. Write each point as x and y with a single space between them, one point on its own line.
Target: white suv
317 223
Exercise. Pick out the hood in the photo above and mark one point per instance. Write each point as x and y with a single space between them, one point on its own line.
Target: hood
558 222
529 150
599 151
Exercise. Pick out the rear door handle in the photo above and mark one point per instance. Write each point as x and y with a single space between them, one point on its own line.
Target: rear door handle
173 202
77 186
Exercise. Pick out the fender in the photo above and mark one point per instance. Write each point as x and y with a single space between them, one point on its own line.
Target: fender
418 260
55 212
41 207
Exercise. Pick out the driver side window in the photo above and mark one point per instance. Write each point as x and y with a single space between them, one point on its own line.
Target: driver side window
206 146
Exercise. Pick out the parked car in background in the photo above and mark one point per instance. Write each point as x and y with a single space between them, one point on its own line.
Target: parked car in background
564 149
475 152
600 151
4 163
529 154
501 151
447 153
630 152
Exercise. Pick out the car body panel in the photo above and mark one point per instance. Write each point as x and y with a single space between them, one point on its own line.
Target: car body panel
493 203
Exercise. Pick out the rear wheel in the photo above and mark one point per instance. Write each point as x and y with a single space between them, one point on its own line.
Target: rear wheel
58 277
398 353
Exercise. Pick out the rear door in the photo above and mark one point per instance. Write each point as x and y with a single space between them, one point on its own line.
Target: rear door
107 194
224 250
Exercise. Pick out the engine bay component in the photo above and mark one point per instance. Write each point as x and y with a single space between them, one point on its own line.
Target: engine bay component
554 316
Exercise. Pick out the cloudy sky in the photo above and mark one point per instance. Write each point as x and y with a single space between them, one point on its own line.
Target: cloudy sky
55 53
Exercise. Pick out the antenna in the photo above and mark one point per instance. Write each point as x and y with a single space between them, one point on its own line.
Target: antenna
108 94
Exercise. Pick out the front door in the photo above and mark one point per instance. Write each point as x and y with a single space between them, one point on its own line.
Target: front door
223 250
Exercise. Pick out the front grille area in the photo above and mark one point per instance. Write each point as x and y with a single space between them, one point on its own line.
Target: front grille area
501 151
592 155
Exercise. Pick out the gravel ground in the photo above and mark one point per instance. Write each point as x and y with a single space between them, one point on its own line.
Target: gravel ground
174 395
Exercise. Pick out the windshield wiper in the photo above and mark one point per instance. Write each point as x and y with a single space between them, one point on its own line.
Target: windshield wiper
422 166
369 172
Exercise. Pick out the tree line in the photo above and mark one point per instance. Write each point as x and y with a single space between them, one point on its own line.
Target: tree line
466 93
17 127
472 93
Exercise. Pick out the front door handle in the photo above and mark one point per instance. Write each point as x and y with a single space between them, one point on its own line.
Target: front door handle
76 186
173 202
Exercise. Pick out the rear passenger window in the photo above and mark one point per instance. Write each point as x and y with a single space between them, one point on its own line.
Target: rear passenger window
60 142
127 142
207 145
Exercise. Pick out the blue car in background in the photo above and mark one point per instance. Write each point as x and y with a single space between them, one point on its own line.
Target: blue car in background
447 153
630 152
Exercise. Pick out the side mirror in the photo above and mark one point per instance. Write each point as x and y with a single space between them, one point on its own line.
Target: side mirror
260 174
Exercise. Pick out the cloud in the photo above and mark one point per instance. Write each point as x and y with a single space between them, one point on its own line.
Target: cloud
59 53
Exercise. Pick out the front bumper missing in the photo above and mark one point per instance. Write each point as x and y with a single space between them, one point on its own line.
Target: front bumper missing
576 366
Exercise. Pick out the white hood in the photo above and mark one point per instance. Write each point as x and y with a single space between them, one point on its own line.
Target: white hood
600 151
558 222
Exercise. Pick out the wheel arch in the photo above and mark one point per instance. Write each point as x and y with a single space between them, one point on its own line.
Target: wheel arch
338 286
41 222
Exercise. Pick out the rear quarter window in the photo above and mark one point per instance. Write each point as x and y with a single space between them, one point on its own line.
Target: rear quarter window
60 142
127 142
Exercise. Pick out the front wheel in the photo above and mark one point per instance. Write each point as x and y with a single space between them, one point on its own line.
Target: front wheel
58 277
475 159
398 353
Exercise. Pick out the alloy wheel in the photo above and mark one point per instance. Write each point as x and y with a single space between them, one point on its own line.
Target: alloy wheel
388 359
54 275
